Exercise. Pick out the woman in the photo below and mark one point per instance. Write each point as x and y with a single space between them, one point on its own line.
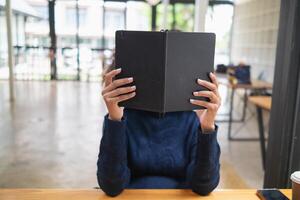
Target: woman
141 149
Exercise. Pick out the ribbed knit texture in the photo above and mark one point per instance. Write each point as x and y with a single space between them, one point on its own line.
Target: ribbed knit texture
150 150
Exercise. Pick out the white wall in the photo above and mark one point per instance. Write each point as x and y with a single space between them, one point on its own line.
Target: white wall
255 35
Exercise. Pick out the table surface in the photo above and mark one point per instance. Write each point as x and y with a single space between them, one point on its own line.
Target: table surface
90 194
255 84
262 101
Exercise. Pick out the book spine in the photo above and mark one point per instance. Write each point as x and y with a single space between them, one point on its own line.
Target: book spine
165 68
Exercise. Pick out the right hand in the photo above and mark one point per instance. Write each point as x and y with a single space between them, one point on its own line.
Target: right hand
113 93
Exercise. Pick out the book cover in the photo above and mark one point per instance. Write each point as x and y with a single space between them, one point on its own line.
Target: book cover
165 66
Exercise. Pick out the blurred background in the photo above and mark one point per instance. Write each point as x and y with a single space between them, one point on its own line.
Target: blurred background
51 110
84 31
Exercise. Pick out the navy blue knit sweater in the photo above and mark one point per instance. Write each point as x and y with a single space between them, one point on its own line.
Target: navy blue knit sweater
148 150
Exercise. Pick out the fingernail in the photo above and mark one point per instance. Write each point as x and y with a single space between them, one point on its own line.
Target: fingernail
133 87
199 80
133 94
211 74
130 79
119 69
195 93
192 100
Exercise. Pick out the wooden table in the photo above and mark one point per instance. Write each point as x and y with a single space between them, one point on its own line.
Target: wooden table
261 103
90 194
256 85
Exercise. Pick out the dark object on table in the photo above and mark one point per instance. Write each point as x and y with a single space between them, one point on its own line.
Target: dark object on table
271 194
221 68
165 66
242 74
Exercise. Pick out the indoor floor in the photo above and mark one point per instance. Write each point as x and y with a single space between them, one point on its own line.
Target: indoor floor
50 138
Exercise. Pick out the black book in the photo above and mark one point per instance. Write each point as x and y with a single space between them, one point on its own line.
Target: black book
165 66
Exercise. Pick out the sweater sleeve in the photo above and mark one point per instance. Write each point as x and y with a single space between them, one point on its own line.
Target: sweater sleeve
113 173
203 172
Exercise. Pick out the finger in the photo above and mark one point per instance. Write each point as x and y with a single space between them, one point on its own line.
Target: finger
119 91
208 85
213 78
209 94
117 83
122 97
209 106
110 75
200 112
215 81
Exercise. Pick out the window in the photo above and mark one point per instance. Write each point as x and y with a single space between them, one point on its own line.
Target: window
114 20
71 17
42 11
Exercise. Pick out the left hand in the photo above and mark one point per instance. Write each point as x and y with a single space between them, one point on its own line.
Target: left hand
208 115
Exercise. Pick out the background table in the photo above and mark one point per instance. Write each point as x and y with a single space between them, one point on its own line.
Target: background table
261 103
256 85
86 194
